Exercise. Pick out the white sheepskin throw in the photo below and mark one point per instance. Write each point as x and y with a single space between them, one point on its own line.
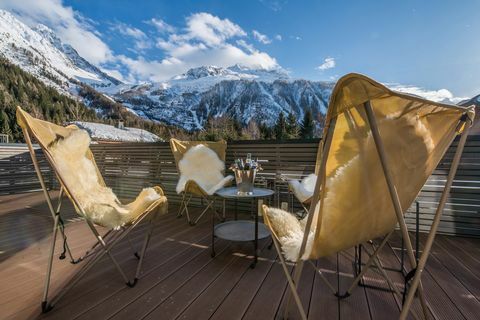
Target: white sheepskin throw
303 190
290 233
80 176
202 165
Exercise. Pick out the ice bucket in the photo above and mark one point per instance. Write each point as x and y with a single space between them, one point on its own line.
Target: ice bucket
245 180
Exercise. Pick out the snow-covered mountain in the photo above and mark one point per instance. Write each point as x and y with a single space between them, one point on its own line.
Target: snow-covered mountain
40 52
189 99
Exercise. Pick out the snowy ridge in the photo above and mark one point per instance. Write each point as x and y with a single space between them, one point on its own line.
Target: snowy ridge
189 99
40 52
104 132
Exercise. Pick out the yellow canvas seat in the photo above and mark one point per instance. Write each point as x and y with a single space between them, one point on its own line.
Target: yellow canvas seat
378 149
201 168
67 151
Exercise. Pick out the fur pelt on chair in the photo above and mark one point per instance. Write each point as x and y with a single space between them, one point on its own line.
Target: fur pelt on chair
202 165
79 174
303 190
290 232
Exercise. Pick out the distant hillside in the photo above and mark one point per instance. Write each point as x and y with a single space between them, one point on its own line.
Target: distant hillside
39 51
19 88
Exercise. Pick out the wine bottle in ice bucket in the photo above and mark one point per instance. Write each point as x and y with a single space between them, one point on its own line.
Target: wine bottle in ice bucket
245 173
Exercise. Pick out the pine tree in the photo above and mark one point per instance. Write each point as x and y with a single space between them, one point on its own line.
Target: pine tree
4 124
293 130
281 127
266 132
307 126
251 131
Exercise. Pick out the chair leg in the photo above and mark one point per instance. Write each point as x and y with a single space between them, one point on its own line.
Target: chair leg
365 269
182 206
186 209
209 205
45 305
135 252
296 280
67 247
144 248
107 249
62 229
322 276
78 276
223 210
291 283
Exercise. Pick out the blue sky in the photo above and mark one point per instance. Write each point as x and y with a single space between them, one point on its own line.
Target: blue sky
428 44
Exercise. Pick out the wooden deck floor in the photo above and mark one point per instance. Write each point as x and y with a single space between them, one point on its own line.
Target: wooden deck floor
181 281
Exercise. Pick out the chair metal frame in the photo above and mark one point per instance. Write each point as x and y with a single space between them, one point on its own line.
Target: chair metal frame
416 268
210 201
103 245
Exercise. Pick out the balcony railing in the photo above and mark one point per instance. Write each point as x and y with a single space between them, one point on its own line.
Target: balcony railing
128 167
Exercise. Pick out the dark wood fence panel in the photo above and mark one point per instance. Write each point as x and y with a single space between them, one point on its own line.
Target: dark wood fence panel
17 173
462 211
129 167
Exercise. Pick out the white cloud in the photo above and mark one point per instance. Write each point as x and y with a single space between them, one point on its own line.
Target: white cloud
205 39
441 95
161 25
130 31
247 46
140 38
328 63
114 73
278 37
275 5
70 26
261 37
211 29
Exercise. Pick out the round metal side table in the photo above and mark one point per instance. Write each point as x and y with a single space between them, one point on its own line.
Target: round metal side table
241 230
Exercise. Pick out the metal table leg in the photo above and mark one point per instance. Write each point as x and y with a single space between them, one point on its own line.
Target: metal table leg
213 235
254 263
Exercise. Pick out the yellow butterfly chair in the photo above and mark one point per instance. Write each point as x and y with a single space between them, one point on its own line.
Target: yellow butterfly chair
379 147
193 188
148 204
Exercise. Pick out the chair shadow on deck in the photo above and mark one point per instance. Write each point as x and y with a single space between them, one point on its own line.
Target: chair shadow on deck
28 223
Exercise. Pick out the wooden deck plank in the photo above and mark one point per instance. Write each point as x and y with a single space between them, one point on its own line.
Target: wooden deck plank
382 304
171 253
180 280
196 302
466 254
103 270
236 303
268 298
200 269
457 267
323 302
305 287
439 301
355 306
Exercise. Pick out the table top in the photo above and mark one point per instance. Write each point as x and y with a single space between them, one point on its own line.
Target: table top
231 192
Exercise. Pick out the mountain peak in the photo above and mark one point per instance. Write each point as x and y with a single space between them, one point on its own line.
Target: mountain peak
39 51
235 72
205 71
